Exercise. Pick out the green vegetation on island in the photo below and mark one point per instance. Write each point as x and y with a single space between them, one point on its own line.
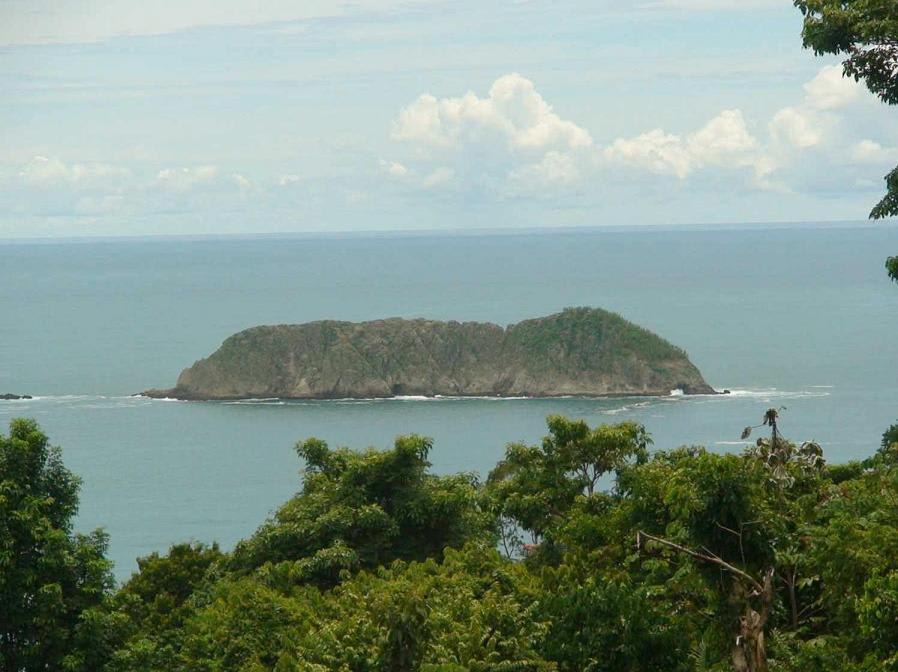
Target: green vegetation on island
678 561
578 352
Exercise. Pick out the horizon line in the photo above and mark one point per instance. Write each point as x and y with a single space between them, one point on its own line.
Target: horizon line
456 232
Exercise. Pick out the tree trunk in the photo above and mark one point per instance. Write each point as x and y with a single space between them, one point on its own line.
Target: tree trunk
750 651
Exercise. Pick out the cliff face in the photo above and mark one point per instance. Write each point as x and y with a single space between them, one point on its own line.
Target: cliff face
580 351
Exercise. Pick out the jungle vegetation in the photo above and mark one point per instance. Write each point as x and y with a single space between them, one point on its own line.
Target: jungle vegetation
583 552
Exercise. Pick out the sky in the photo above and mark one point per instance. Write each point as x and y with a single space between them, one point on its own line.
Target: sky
197 117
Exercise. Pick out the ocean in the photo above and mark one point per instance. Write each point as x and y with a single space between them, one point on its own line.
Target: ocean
802 318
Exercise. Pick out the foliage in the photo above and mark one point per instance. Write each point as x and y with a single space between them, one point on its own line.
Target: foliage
155 603
892 262
768 560
362 510
535 486
866 31
602 338
50 578
888 449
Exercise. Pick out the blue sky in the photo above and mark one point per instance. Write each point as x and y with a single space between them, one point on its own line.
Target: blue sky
213 117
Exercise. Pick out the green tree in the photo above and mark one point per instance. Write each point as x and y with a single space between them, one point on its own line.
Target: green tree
50 578
769 560
889 446
473 611
866 31
535 486
742 520
150 609
364 509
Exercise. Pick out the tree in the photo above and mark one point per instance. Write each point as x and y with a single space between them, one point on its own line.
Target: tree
889 446
535 486
50 578
867 32
745 521
364 509
148 613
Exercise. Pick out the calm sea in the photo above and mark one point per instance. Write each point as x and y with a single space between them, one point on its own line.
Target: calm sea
800 318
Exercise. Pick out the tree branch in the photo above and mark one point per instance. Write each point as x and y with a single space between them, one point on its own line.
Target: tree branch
713 559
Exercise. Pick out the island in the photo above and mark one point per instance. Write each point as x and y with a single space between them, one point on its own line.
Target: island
577 352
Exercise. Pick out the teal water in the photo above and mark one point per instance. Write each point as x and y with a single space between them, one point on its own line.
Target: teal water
801 318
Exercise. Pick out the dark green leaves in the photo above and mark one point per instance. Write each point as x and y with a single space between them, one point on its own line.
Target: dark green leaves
49 577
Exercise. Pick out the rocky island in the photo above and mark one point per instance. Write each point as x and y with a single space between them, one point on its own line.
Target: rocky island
578 352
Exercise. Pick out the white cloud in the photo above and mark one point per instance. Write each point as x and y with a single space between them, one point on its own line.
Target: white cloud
830 89
868 151
439 177
512 143
654 151
394 168
493 143
557 169
724 141
182 179
46 171
285 180
241 181
795 127
513 113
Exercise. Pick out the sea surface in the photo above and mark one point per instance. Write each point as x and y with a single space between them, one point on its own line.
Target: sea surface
799 318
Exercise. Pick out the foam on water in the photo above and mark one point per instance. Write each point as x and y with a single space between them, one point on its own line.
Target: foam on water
626 407
774 393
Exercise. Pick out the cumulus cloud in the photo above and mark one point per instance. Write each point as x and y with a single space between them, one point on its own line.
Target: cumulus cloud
831 90
512 142
723 141
794 127
654 151
183 179
48 171
503 141
513 113
558 169
808 123
868 151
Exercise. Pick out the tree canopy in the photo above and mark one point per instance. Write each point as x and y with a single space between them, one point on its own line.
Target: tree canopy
678 561
49 577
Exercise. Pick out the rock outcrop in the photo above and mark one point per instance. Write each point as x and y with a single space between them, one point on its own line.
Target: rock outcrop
578 352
